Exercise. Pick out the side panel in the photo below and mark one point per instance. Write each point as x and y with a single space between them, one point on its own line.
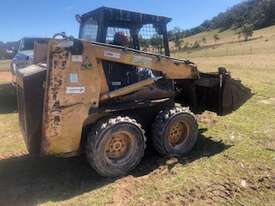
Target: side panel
73 87
30 94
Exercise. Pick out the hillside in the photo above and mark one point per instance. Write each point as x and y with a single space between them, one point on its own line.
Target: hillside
229 44
257 13
8 45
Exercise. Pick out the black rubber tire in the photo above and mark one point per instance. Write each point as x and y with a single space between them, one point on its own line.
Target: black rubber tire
99 137
161 128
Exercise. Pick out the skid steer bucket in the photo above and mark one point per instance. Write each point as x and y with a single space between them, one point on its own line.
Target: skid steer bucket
216 92
233 95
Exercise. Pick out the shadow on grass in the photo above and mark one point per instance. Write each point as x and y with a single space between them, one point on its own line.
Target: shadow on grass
205 147
8 103
29 181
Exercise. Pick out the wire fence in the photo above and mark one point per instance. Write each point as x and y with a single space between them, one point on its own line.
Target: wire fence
219 51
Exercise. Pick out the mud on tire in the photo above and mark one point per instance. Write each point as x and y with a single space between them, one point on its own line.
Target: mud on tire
115 146
175 132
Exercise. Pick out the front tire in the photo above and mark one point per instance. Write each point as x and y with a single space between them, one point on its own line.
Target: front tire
175 132
115 146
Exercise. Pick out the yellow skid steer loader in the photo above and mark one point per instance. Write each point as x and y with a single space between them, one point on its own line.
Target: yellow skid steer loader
115 86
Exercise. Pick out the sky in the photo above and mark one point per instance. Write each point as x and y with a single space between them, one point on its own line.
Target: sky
43 18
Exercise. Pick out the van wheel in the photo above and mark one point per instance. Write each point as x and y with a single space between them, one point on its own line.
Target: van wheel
175 132
115 146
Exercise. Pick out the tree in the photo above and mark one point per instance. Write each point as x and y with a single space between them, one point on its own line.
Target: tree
216 38
239 36
204 40
177 36
196 45
186 45
178 43
259 13
4 54
247 31
144 43
157 43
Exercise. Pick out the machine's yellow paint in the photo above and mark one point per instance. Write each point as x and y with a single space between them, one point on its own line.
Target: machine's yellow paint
68 100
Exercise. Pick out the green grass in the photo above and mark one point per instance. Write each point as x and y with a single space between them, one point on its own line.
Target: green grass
10 135
233 164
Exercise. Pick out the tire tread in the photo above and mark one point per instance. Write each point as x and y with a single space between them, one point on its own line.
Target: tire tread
98 128
159 125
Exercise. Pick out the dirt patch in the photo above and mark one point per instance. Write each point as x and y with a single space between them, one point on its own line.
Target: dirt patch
124 192
269 101
232 190
208 118
216 193
5 77
269 144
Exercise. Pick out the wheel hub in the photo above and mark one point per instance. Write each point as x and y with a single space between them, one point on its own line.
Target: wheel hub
118 146
177 134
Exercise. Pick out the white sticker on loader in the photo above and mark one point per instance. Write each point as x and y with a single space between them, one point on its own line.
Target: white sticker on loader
77 58
73 78
75 90
65 44
111 54
116 83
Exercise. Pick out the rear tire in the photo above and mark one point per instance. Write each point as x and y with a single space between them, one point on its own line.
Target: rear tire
115 146
175 132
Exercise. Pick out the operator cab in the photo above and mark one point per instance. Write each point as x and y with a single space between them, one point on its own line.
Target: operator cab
143 32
